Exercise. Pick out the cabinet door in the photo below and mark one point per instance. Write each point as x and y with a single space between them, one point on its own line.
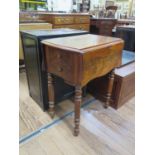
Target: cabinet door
33 69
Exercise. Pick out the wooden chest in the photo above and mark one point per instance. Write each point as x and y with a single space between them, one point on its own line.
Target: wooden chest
123 89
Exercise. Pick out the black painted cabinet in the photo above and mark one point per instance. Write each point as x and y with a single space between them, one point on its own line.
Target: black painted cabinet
36 76
127 33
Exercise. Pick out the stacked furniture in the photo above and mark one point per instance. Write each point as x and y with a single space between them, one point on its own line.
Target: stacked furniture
124 82
79 21
36 75
30 26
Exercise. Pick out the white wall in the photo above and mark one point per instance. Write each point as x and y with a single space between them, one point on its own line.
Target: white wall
96 3
60 5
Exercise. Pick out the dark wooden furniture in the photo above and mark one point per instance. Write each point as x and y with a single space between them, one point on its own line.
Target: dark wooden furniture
112 7
30 26
110 11
36 76
123 88
80 59
102 26
121 22
127 33
78 21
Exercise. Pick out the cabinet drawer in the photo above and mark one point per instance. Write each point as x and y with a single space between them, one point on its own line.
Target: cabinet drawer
82 19
106 23
83 27
77 26
65 26
64 20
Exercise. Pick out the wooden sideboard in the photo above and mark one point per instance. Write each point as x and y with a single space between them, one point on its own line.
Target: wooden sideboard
80 59
79 21
102 26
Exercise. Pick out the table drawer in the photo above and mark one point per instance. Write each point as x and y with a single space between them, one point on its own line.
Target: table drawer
59 63
82 19
64 20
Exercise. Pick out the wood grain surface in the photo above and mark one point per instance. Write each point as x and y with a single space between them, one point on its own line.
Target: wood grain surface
80 59
31 116
102 132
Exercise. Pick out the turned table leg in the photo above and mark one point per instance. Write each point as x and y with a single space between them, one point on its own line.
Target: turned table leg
109 90
51 94
78 100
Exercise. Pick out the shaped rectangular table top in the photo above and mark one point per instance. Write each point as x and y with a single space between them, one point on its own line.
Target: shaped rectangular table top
79 59
80 43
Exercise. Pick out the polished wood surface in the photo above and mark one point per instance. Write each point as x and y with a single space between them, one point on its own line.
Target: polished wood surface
103 131
109 88
80 59
81 43
51 94
79 21
31 116
91 51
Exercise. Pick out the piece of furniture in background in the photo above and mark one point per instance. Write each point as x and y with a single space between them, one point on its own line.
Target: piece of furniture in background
84 6
78 21
29 17
127 33
30 26
121 22
110 11
80 59
102 26
36 76
124 83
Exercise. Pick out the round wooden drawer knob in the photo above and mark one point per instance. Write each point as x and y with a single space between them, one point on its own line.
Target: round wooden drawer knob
60 69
